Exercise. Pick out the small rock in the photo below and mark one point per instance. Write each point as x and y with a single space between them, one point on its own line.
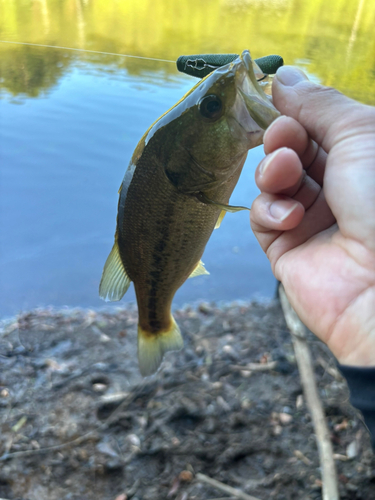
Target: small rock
222 403
142 421
113 464
122 497
99 387
199 350
229 353
246 404
35 444
285 418
286 409
186 476
277 430
210 410
352 449
134 440
228 349
299 402
204 308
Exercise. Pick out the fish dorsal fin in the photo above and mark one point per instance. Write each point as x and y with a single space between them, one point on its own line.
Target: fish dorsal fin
220 219
199 270
115 281
226 208
153 346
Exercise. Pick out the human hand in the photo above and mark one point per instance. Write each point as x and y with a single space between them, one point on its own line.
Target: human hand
315 216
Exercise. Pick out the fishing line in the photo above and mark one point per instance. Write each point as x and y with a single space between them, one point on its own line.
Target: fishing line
86 50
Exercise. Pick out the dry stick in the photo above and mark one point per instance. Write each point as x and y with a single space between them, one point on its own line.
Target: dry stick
305 366
234 492
255 367
221 498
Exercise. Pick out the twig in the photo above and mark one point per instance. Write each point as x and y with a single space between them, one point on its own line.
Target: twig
221 498
330 369
234 492
302 457
255 367
305 366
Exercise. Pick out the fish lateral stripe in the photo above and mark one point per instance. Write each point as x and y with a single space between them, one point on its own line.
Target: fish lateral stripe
153 346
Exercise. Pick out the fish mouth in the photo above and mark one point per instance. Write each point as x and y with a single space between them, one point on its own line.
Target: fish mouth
253 109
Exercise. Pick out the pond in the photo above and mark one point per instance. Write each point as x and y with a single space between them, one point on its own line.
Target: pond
70 120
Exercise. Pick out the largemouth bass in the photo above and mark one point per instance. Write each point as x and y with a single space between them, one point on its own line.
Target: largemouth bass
175 191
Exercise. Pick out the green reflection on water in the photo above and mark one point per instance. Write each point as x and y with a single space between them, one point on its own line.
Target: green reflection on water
333 41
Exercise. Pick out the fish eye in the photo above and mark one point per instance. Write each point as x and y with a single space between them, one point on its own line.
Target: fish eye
211 107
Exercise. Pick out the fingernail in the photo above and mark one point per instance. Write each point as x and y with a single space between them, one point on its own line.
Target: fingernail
290 76
267 160
281 209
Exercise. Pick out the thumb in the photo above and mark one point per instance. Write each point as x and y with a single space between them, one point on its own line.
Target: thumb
325 113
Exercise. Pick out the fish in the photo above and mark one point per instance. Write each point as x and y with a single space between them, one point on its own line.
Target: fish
175 191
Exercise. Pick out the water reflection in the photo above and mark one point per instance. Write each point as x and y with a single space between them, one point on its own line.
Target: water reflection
334 39
31 71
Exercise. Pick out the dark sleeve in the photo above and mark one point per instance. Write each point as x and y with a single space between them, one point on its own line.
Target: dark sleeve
361 382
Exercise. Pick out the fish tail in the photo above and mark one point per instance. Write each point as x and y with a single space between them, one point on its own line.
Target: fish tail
153 346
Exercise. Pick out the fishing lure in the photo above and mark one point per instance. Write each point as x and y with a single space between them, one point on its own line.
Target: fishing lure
200 65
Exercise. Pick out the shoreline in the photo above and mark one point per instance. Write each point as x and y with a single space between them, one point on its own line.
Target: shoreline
78 421
115 309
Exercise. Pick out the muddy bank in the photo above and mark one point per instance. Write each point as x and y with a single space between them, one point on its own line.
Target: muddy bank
78 422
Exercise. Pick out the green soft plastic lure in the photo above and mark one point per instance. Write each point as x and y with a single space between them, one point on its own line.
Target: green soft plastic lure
200 65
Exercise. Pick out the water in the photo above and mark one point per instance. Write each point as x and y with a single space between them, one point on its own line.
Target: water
70 122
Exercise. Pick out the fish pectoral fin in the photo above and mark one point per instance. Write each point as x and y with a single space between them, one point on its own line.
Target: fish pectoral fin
115 281
199 270
220 219
226 208
153 346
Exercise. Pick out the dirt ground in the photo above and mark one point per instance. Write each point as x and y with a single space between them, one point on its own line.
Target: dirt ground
78 422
